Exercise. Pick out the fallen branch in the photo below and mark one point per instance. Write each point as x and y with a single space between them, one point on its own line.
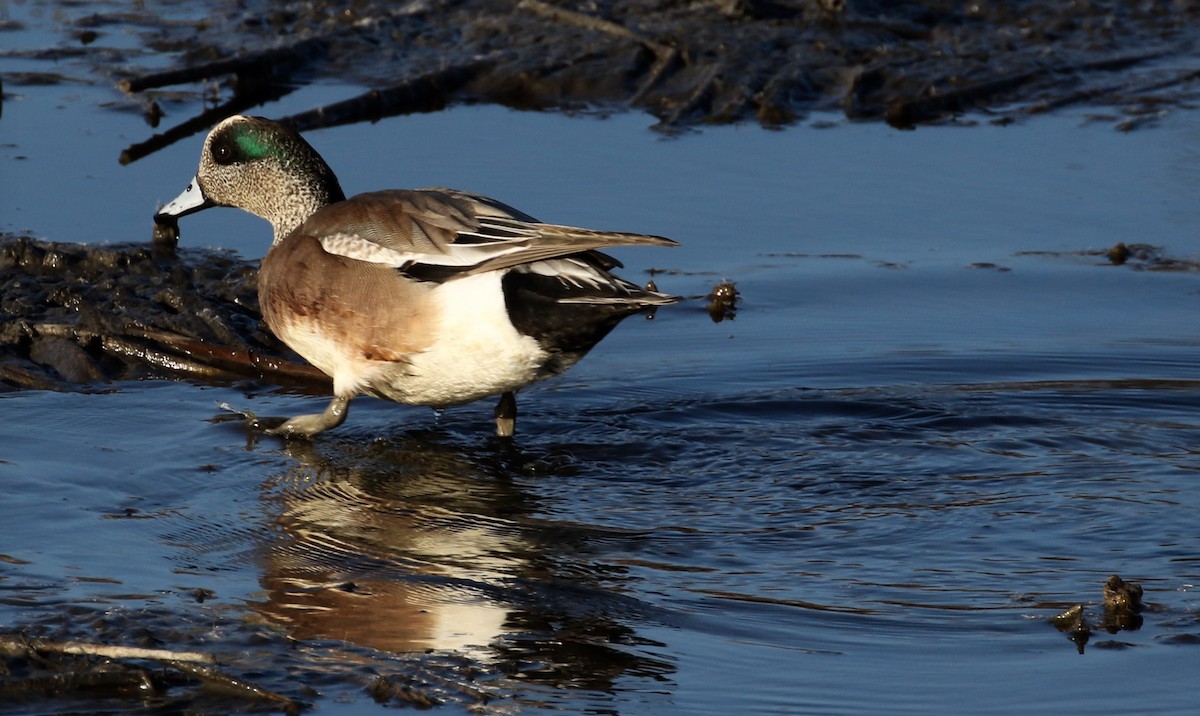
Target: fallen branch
703 90
428 93
279 60
194 665
1093 93
239 360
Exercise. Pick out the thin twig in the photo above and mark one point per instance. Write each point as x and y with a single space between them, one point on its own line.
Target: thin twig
906 113
588 22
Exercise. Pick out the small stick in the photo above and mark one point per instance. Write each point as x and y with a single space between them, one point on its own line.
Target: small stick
666 58
10 646
241 100
703 89
235 686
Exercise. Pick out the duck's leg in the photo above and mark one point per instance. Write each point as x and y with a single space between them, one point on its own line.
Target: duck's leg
309 425
506 415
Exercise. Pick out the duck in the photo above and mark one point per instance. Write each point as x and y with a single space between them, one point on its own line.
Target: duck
433 297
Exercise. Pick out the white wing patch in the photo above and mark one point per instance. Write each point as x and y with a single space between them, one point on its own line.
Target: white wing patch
487 247
353 246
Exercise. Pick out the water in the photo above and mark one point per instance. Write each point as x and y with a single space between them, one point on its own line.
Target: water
934 424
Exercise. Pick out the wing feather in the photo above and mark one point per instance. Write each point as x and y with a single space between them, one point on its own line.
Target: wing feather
455 232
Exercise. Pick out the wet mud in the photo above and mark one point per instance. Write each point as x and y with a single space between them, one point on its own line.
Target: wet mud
77 315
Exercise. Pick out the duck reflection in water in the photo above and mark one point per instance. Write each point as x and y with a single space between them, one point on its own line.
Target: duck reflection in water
414 545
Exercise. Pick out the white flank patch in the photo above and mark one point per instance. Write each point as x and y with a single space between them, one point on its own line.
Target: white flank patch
476 353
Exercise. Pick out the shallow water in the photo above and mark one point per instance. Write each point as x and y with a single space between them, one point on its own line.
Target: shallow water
935 424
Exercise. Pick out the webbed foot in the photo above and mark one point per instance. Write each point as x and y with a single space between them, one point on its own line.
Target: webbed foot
305 426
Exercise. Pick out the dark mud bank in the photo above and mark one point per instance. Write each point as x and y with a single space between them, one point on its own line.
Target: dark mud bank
686 63
75 315
726 61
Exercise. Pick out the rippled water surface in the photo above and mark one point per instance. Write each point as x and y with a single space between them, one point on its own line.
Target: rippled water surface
940 418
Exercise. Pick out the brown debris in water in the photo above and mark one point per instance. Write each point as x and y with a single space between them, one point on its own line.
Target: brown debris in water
1122 605
386 691
1122 612
1138 256
1075 625
722 302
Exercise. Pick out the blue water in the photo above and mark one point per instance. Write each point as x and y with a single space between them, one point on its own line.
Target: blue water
935 423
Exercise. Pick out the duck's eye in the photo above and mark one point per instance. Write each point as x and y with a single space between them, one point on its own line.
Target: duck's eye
223 151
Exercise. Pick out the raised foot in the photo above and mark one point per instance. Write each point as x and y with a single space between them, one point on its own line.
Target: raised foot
304 426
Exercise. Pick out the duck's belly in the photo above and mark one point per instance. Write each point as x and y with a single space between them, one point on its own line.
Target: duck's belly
450 378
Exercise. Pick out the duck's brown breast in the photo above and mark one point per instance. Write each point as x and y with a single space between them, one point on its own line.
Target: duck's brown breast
358 310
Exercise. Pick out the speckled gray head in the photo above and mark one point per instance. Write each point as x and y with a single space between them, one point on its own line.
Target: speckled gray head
262 167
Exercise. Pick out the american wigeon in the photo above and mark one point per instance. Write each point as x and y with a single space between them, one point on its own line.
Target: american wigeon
426 297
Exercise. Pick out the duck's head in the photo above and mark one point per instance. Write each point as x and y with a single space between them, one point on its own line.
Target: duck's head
262 167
